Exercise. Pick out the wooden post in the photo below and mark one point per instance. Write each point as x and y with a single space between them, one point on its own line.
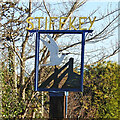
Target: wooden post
57 105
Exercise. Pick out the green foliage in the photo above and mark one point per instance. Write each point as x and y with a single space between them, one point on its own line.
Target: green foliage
101 82
11 106
100 99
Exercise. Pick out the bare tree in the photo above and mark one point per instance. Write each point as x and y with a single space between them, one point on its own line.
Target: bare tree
22 43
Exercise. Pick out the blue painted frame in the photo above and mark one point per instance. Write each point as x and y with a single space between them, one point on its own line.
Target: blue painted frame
38 32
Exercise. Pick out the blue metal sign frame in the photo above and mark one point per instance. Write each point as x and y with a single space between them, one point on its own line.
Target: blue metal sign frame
38 32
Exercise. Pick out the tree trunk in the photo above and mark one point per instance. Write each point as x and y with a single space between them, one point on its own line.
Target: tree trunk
0 92
22 78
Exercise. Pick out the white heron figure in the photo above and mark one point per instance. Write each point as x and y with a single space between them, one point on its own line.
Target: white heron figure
54 50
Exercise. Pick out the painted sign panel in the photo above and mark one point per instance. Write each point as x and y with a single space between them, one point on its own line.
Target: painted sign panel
63 78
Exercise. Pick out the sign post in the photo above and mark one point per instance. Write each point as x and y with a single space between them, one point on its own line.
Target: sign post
82 60
74 81
37 60
57 105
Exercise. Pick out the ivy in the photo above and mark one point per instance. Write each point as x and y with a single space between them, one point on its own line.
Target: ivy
103 82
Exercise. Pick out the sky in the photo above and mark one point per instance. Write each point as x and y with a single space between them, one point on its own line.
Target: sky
102 6
92 5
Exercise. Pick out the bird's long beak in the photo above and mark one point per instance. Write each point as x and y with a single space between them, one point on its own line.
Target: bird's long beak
65 53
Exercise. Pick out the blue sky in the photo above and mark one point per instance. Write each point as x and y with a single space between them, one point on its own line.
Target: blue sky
86 10
103 8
